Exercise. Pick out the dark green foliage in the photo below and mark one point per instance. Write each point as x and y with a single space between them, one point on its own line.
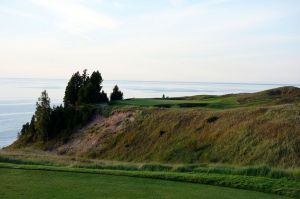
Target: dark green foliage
60 121
72 89
116 94
187 105
163 105
39 127
85 89
65 120
28 130
42 116
87 94
103 97
155 167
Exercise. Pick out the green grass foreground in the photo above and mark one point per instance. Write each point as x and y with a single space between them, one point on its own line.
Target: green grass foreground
12 174
46 182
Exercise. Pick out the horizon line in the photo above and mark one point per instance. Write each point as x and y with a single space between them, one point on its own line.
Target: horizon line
164 81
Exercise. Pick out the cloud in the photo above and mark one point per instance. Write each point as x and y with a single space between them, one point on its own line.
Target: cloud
74 16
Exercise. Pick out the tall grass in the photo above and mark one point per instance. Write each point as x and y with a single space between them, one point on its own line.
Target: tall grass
262 171
262 184
246 136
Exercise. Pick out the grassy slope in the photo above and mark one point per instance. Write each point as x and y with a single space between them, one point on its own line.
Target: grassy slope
244 136
61 182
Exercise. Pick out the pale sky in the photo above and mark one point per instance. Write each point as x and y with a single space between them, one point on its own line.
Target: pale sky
255 41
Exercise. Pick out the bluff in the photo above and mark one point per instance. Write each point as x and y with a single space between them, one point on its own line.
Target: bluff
267 134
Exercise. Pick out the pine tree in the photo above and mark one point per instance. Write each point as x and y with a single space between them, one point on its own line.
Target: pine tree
85 77
96 81
42 116
72 89
116 94
87 94
103 97
90 91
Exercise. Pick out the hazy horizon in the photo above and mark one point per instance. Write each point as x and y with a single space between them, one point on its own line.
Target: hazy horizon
165 81
162 40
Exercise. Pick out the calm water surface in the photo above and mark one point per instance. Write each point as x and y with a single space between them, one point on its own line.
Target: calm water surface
18 96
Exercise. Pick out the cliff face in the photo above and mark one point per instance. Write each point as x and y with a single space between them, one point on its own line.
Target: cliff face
244 136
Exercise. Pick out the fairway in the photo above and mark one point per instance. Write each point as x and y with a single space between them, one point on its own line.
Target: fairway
214 102
16 183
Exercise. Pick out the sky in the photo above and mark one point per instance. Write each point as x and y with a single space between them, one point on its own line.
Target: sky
255 41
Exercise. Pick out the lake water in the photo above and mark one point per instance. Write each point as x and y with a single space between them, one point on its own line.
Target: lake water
18 96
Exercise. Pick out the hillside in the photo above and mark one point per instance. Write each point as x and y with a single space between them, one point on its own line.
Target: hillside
268 134
247 136
251 129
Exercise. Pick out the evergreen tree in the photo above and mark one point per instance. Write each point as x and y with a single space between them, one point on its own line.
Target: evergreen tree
90 92
116 94
96 81
24 131
85 77
57 121
87 94
72 89
42 116
103 97
28 130
32 129
60 121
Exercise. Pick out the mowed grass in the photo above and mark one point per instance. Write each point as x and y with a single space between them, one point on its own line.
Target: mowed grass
214 102
275 96
31 184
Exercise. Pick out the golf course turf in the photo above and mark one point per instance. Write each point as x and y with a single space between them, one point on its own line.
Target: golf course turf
30 184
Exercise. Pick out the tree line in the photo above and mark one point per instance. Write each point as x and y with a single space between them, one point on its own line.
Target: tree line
85 89
83 93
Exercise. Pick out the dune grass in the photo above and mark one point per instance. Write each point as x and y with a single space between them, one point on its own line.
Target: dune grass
267 185
243 136
237 129
50 159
